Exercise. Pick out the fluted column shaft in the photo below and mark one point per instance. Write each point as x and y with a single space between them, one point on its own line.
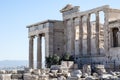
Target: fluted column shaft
31 59
39 52
88 35
73 36
97 32
80 35
106 31
65 36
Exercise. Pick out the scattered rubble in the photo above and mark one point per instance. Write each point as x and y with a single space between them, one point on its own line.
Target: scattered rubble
61 72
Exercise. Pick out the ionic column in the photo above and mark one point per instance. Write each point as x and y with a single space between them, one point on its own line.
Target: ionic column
39 52
46 45
31 59
88 35
65 35
80 35
73 36
97 33
106 29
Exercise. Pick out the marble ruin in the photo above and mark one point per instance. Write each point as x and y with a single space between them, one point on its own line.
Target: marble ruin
90 42
94 44
53 31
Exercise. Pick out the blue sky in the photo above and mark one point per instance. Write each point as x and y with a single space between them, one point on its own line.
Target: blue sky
15 15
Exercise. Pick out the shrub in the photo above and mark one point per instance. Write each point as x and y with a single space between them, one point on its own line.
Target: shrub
52 60
65 57
55 59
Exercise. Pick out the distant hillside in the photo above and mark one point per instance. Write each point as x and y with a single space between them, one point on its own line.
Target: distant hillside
13 63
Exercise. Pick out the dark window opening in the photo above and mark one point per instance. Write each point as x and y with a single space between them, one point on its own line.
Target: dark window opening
115 37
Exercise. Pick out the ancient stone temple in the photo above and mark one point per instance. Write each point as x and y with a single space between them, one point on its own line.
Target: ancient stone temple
90 42
53 31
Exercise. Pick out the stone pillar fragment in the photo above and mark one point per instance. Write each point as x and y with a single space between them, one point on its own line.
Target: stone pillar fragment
88 35
87 69
31 60
80 35
39 52
97 33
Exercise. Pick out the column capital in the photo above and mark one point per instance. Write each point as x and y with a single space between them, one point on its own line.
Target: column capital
80 17
67 19
39 35
31 37
97 16
88 15
72 19
97 12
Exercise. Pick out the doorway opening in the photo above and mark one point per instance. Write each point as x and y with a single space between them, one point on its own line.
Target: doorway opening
115 37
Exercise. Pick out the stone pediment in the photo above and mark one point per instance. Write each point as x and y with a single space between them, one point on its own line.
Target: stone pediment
66 8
